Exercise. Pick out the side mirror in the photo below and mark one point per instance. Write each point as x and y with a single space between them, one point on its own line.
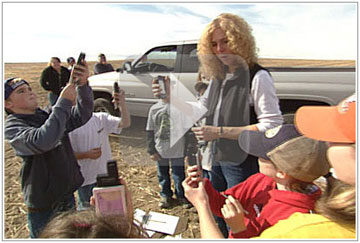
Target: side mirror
127 67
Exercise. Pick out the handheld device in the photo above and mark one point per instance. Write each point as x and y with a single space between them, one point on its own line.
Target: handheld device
161 81
116 87
198 162
109 194
116 90
111 178
80 61
81 58
191 148
194 149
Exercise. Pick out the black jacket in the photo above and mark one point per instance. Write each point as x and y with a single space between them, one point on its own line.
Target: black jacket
103 68
235 111
53 81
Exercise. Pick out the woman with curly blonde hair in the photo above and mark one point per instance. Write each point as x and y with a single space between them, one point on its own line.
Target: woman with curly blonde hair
239 39
241 96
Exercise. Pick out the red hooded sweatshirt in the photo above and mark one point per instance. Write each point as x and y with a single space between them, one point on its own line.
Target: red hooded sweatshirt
265 204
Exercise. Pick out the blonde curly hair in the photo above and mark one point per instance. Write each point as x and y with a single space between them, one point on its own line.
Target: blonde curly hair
240 41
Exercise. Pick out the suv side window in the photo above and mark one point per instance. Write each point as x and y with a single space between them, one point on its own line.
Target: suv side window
190 62
159 59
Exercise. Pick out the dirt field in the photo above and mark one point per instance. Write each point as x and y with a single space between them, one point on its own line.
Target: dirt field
129 149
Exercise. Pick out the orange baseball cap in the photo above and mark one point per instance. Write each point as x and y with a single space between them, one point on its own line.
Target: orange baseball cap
333 124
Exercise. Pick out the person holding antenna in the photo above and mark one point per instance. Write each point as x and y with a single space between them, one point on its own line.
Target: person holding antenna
49 174
241 96
91 145
289 163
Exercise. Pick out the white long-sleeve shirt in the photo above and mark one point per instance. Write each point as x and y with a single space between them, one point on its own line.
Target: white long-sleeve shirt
262 97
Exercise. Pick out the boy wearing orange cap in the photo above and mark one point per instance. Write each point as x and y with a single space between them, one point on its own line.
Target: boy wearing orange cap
335 216
336 210
289 163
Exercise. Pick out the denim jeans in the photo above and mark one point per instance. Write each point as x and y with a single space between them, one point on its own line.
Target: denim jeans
84 194
178 174
38 220
226 174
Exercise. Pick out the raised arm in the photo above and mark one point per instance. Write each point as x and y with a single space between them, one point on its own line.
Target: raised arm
42 132
119 100
217 200
196 194
83 109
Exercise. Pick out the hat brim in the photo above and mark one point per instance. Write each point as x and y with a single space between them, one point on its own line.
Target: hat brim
326 123
253 143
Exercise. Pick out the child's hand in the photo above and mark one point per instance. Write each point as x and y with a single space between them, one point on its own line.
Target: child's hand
156 88
155 157
119 98
195 193
69 92
233 214
194 173
94 153
81 73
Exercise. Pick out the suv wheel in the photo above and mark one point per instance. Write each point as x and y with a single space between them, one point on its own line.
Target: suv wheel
103 105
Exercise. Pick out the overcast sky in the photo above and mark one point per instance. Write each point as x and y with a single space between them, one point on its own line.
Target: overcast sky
34 32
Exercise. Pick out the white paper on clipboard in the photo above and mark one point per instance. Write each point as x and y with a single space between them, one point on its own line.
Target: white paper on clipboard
158 222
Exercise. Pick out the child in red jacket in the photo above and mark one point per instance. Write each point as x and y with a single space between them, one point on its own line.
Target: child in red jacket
289 163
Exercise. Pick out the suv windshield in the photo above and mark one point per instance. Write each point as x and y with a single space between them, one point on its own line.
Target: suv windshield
160 59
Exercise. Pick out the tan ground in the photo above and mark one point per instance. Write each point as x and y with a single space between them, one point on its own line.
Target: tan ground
129 149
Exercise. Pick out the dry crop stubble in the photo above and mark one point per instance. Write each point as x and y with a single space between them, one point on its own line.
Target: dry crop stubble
129 149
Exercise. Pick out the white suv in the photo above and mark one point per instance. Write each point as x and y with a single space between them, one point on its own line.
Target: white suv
295 87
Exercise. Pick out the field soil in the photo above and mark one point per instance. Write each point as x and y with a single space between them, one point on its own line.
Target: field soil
129 149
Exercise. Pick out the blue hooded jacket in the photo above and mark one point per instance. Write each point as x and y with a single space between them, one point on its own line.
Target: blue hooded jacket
49 172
